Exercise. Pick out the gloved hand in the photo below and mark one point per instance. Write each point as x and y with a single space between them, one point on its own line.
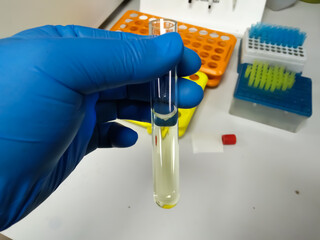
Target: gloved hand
59 87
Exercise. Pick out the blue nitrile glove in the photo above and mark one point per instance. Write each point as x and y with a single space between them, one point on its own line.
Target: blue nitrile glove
59 87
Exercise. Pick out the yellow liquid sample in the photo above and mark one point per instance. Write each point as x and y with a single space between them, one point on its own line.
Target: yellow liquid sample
165 165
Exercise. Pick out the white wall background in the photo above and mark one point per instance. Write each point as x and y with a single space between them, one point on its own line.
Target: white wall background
17 15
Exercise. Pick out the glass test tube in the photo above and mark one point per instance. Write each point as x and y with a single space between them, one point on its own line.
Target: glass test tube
164 119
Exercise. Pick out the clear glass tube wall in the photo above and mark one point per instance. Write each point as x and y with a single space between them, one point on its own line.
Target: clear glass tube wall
164 119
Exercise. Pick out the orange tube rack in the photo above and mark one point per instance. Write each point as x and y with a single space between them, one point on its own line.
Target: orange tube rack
214 48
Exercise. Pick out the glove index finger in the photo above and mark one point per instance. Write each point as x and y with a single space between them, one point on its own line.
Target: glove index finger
74 31
90 65
81 31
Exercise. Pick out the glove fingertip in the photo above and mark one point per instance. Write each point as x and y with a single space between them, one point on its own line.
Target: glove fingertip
190 63
122 137
190 94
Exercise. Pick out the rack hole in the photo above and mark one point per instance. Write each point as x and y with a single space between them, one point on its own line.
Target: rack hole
194 77
133 28
133 15
219 50
204 54
128 20
183 27
203 32
193 30
215 57
214 35
144 31
123 25
196 44
143 17
186 42
212 65
207 47
222 44
209 40
225 38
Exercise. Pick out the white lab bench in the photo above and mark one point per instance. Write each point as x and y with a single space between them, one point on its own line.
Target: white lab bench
267 186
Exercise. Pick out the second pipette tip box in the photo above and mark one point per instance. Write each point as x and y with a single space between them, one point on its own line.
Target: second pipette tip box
272 95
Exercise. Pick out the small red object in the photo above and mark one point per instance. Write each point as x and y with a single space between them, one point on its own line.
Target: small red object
229 139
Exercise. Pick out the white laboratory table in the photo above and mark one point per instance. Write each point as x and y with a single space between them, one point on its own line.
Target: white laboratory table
267 186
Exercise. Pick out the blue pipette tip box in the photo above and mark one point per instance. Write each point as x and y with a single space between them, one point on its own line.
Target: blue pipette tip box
279 45
282 109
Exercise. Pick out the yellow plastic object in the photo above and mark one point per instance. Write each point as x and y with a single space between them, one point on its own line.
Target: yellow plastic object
270 78
168 206
185 115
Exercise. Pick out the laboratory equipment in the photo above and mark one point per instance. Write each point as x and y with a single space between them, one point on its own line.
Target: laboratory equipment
280 101
229 139
164 115
184 114
229 16
279 45
213 47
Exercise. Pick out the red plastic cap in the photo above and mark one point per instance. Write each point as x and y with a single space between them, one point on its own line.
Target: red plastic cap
229 139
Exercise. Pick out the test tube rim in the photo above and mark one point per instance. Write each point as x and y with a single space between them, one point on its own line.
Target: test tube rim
151 27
